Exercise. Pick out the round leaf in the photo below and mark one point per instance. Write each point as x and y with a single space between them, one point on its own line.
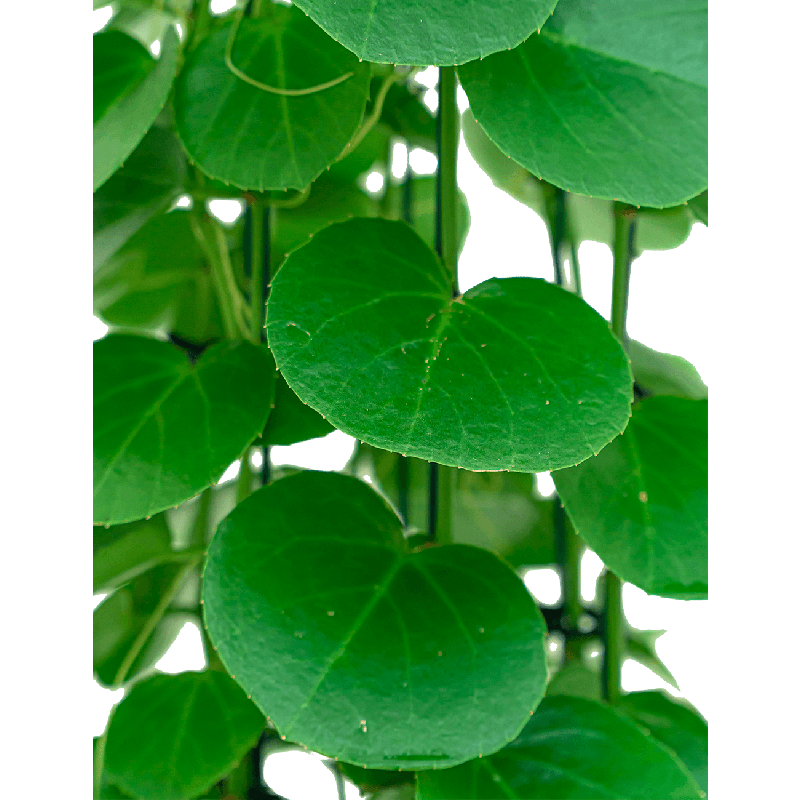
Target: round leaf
441 32
571 748
129 94
292 420
359 649
164 428
678 726
256 139
642 503
173 736
609 100
516 374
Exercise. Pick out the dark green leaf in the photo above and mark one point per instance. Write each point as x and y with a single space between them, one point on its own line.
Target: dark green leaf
373 780
516 374
370 153
609 100
129 93
678 726
255 139
166 429
292 420
642 503
173 736
437 32
409 659
124 551
572 748
575 679
144 186
408 117
641 646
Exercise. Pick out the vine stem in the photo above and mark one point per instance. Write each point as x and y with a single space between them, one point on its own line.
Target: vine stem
440 478
613 619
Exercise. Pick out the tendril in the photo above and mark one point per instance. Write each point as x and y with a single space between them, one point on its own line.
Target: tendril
243 76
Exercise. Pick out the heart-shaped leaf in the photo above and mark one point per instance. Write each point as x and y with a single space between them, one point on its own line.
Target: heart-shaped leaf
437 32
164 428
571 748
359 649
678 726
130 90
642 503
173 736
252 137
516 374
609 100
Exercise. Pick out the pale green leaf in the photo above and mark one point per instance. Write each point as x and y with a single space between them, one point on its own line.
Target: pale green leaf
609 100
164 428
516 374
663 373
572 749
359 649
257 139
441 32
642 503
174 736
128 97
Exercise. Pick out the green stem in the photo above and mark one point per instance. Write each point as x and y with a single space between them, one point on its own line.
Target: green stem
199 533
613 619
223 297
575 264
447 192
244 484
257 270
200 23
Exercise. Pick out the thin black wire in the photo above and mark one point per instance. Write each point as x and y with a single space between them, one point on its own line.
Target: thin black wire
266 266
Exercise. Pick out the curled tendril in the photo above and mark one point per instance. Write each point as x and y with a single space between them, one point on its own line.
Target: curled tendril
243 76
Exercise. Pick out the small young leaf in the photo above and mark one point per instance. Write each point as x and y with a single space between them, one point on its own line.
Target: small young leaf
166 429
572 748
642 503
516 374
359 649
698 207
173 736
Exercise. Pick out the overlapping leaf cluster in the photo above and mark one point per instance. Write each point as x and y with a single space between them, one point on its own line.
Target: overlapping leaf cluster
330 620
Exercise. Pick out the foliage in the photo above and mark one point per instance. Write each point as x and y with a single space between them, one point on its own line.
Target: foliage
379 616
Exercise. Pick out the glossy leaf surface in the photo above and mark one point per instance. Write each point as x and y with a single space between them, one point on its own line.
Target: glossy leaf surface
359 649
609 100
124 551
441 32
173 736
574 749
678 726
516 374
256 139
642 503
144 186
129 93
164 428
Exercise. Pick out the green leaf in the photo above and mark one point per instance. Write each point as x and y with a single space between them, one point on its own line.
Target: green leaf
371 781
164 428
676 725
409 659
291 420
145 185
371 152
173 736
575 679
438 32
662 373
516 374
408 117
129 93
256 139
124 551
160 280
641 646
120 619
571 748
642 503
698 207
609 100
